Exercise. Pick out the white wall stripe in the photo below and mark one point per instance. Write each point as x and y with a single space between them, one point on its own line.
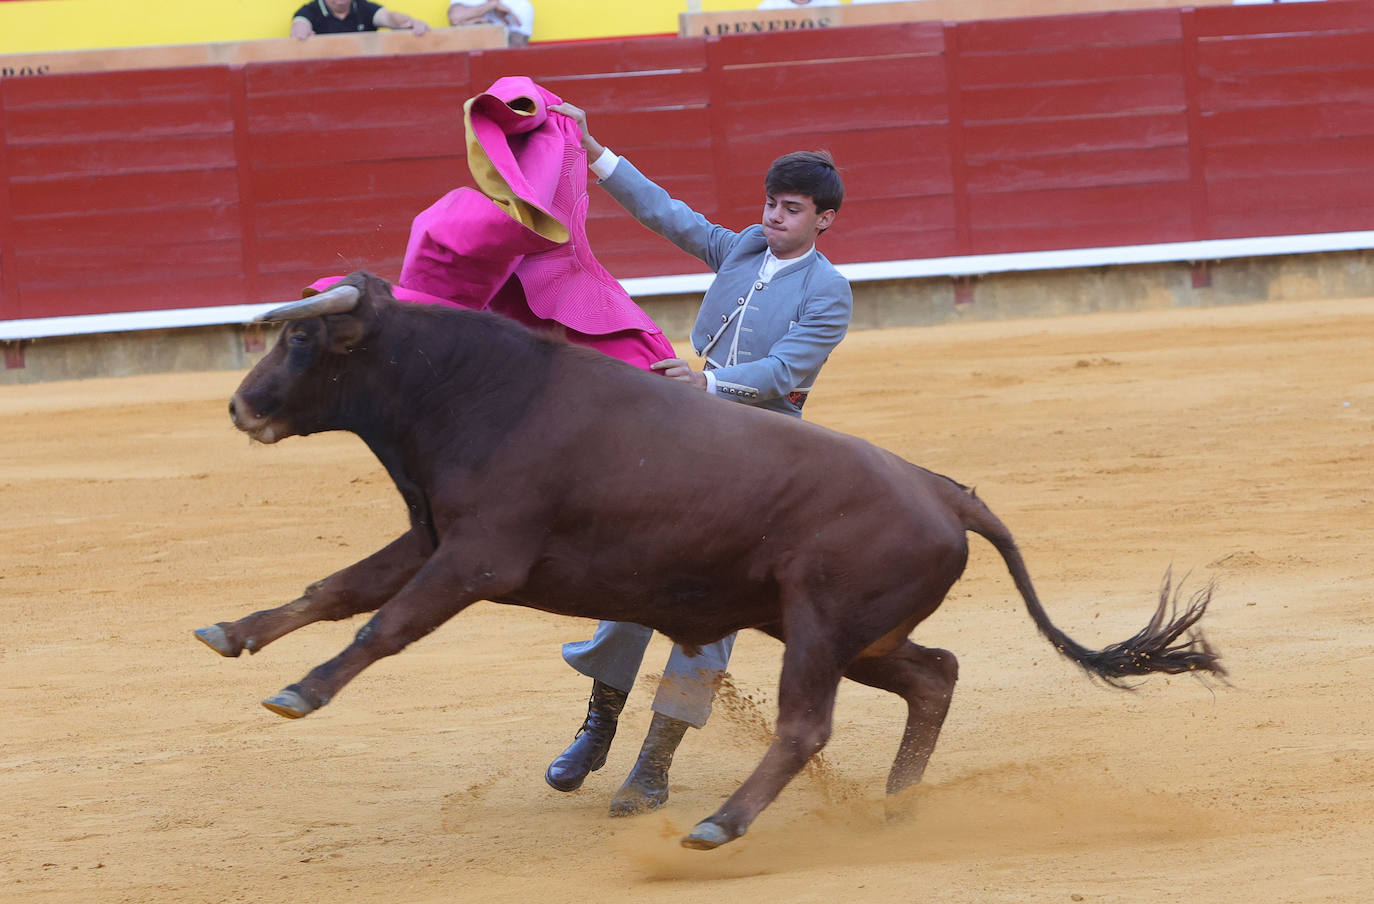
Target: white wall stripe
644 287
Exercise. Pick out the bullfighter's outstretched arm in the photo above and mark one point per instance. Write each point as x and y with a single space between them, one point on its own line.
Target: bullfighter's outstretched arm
673 219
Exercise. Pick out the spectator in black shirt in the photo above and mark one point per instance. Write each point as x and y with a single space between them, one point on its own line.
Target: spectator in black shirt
328 17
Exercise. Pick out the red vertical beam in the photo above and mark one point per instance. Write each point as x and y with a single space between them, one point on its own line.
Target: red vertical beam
9 278
253 286
963 227
718 88
1197 154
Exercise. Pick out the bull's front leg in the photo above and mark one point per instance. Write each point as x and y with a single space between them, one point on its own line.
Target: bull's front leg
437 592
806 700
361 587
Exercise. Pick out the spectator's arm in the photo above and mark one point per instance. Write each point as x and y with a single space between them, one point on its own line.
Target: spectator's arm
463 14
390 18
301 28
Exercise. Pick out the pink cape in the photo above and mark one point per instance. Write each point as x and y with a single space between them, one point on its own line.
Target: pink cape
519 246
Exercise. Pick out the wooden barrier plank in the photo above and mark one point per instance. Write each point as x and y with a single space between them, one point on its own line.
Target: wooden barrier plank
658 90
1099 235
553 64
327 77
59 269
137 87
389 213
360 180
873 110
1073 64
1102 168
138 291
1280 18
1292 222
1297 86
124 191
343 145
1120 27
1339 155
823 79
1269 53
334 252
1003 140
77 158
1078 206
627 131
163 227
1251 195
1247 125
208 113
1109 97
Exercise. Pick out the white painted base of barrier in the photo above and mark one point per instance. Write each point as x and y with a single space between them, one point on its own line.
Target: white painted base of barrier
918 268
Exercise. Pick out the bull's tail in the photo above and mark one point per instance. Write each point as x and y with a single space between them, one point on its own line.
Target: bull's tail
1170 643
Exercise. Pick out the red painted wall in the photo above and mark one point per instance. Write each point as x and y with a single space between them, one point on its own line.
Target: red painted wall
218 185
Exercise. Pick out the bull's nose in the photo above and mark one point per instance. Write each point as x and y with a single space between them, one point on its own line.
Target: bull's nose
234 411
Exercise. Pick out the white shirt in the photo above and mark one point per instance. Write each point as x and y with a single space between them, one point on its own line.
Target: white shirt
788 4
523 9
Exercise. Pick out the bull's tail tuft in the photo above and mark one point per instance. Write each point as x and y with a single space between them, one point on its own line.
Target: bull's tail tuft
1171 643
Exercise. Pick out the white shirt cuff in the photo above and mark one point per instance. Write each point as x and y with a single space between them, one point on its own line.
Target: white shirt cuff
604 165
710 382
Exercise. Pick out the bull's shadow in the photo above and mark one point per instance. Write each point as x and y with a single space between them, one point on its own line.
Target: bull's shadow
542 474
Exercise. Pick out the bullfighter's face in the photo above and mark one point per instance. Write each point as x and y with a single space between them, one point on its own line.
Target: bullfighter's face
791 223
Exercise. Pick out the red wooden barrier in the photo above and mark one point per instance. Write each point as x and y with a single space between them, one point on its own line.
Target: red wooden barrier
217 185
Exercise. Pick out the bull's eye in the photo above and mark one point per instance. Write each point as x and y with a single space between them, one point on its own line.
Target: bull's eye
297 339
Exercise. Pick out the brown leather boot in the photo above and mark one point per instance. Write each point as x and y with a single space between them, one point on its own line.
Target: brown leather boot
587 752
647 787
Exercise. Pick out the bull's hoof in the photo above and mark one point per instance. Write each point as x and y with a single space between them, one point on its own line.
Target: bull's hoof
216 639
706 835
289 704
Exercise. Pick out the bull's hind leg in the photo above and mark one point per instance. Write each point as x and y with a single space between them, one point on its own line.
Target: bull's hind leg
361 587
437 592
806 702
925 679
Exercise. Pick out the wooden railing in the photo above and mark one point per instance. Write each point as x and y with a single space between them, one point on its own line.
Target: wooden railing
732 22
318 47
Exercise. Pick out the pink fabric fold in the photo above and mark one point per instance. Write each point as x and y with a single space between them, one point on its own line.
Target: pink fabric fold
476 251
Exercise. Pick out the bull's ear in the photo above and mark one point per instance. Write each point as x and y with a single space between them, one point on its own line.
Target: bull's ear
347 331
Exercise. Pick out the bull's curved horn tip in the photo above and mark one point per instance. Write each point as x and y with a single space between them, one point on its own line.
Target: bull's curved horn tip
335 300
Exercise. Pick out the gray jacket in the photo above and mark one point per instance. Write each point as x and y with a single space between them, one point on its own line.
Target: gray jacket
764 341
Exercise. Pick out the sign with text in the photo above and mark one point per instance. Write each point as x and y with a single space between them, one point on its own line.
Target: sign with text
808 18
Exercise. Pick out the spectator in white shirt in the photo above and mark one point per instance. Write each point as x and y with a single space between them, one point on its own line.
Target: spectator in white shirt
516 15
796 4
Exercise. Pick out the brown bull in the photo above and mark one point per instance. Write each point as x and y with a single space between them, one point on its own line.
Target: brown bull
545 475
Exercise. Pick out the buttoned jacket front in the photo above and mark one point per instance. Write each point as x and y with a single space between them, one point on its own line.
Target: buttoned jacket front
785 327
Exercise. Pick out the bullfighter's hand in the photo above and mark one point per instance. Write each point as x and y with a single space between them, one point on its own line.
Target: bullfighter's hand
680 370
593 147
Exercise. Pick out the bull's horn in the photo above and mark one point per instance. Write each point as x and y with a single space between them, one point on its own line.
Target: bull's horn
338 300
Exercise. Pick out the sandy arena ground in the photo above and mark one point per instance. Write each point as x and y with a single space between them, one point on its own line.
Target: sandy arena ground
137 766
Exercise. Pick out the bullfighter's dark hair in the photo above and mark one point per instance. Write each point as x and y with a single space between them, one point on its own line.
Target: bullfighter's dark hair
810 173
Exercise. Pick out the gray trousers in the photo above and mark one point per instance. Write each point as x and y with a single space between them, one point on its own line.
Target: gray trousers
616 650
